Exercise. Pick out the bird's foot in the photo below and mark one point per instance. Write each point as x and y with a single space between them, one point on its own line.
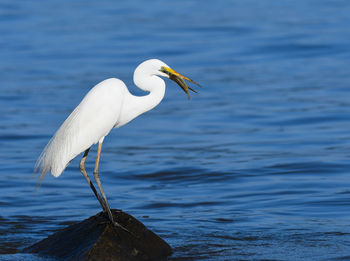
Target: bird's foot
116 224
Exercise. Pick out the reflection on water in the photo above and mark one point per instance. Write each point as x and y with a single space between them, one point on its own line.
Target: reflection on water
256 166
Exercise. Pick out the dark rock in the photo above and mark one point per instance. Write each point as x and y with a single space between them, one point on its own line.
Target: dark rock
97 239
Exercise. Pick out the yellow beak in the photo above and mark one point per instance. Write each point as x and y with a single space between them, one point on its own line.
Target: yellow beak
179 79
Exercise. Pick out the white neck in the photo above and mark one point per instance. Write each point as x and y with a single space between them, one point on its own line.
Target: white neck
145 103
136 105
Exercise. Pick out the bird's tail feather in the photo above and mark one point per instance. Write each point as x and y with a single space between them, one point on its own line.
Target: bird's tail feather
42 166
54 158
59 151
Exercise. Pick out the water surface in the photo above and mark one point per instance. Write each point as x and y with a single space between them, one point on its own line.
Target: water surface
254 167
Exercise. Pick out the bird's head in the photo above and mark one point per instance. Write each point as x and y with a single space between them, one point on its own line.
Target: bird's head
178 78
159 68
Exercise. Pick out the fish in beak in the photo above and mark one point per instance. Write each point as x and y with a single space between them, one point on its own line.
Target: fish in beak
179 79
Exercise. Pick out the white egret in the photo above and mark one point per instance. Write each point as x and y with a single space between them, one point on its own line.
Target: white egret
107 105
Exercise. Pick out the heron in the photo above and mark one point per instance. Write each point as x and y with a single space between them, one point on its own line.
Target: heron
108 105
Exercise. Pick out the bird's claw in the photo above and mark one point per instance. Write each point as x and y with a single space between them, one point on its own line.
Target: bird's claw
116 224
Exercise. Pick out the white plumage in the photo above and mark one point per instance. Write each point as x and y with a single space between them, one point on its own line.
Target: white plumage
90 122
109 104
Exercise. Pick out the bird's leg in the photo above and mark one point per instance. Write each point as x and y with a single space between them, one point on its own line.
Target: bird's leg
98 181
82 169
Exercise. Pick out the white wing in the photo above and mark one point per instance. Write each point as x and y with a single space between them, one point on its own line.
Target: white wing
90 122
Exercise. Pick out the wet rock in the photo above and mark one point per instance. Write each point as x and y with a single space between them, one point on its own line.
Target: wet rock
97 239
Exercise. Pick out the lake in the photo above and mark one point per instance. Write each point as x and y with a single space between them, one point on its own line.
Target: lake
254 167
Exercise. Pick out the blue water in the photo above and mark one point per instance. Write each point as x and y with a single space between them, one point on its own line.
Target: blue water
254 167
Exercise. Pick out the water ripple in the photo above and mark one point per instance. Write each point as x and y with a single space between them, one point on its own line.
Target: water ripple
254 166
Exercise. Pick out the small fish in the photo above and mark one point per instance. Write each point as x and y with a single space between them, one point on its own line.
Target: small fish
179 79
